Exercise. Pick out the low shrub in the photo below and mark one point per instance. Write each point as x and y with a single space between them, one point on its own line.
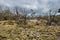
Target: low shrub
10 22
25 26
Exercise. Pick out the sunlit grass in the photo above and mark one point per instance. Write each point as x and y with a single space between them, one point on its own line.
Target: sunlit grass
9 30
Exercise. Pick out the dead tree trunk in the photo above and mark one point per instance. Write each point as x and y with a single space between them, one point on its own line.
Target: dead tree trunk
49 18
17 16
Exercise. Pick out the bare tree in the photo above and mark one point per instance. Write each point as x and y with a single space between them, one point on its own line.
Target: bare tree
17 15
25 16
33 13
7 14
51 16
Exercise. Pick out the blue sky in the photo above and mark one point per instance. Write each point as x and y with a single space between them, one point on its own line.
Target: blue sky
42 5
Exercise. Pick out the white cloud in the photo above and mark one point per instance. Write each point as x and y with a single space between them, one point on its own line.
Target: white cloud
3 2
58 14
33 4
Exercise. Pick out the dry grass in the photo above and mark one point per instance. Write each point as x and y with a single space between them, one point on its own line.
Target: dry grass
28 32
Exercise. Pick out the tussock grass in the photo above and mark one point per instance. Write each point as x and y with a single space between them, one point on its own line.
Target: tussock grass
27 32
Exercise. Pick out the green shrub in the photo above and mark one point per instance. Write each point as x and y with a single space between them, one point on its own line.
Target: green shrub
0 23
25 26
10 22
4 23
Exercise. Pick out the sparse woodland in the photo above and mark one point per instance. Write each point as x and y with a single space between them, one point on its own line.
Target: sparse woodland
16 26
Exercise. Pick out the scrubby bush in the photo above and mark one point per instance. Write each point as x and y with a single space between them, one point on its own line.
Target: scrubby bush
26 26
10 22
